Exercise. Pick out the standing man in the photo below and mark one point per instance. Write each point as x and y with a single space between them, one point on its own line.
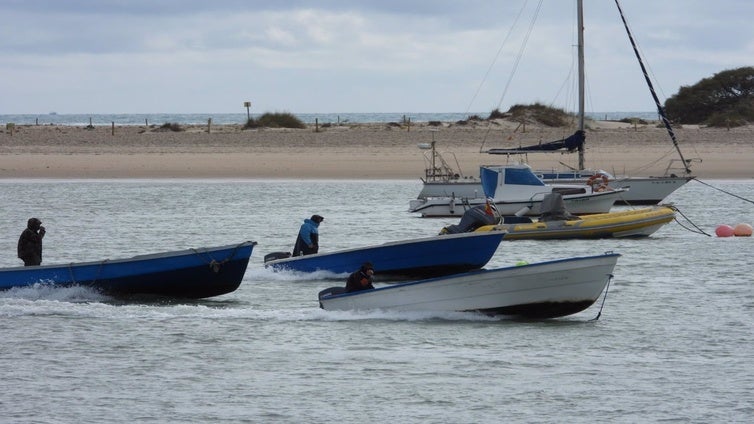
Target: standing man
30 242
307 241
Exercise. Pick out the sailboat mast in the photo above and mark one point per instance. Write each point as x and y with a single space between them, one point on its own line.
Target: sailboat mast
580 23
660 109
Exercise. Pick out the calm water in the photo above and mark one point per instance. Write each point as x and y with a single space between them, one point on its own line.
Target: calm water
674 342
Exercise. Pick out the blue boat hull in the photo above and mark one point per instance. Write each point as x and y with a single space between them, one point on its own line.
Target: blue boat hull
426 257
191 274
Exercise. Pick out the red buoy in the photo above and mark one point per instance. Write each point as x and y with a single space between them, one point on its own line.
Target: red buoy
724 230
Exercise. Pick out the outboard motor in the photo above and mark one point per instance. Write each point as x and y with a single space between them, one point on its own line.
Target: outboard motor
276 255
553 209
472 219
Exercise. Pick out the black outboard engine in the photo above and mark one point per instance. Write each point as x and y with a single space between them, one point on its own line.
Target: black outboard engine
276 255
553 209
472 219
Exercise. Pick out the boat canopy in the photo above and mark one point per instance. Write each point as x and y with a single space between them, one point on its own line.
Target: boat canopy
569 144
511 175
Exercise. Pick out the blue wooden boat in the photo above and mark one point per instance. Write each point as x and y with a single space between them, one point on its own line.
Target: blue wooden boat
422 257
191 273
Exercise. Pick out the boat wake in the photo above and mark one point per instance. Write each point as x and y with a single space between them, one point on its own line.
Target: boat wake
384 315
41 291
269 274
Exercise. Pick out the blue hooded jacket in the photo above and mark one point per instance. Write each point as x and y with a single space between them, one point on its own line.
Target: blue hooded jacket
308 228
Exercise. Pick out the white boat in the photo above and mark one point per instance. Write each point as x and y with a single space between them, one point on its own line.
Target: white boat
515 190
441 180
542 290
639 190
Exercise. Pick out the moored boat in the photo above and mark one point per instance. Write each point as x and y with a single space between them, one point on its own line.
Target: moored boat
557 223
191 273
515 190
443 181
542 290
633 223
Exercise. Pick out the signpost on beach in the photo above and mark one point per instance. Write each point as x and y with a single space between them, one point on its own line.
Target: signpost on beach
247 105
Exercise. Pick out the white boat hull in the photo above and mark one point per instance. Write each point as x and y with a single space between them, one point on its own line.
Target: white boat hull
577 204
542 290
640 190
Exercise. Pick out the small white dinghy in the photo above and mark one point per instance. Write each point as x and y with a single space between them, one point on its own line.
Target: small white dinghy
542 290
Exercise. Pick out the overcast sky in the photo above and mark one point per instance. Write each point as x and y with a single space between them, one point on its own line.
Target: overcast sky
209 56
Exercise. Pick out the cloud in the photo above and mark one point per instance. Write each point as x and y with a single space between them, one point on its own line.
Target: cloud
330 56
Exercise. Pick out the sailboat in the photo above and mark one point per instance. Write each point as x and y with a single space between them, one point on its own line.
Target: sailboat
650 190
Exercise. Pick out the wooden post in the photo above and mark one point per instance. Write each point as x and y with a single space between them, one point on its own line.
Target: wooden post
112 131
146 122
247 105
408 122
316 124
10 126
209 126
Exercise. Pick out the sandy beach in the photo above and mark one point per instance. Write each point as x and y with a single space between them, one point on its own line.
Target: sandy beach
354 151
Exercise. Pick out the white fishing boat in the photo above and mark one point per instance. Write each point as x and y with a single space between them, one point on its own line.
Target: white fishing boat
542 290
515 190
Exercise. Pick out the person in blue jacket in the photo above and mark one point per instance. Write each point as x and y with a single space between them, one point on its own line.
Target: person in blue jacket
307 241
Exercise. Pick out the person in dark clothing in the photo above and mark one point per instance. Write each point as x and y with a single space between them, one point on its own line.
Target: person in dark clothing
361 279
30 242
307 241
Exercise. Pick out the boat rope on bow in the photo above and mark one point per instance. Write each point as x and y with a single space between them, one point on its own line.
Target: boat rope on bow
697 229
96 277
216 265
723 191
602 305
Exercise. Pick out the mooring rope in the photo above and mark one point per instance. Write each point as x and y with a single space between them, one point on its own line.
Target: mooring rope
724 191
698 229
607 288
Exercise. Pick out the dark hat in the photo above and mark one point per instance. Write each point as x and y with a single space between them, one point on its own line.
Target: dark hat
367 265
33 221
317 218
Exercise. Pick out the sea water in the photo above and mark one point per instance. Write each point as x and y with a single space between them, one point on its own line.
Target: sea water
673 343
99 119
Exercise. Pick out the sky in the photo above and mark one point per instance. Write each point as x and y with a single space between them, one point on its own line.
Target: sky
352 56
